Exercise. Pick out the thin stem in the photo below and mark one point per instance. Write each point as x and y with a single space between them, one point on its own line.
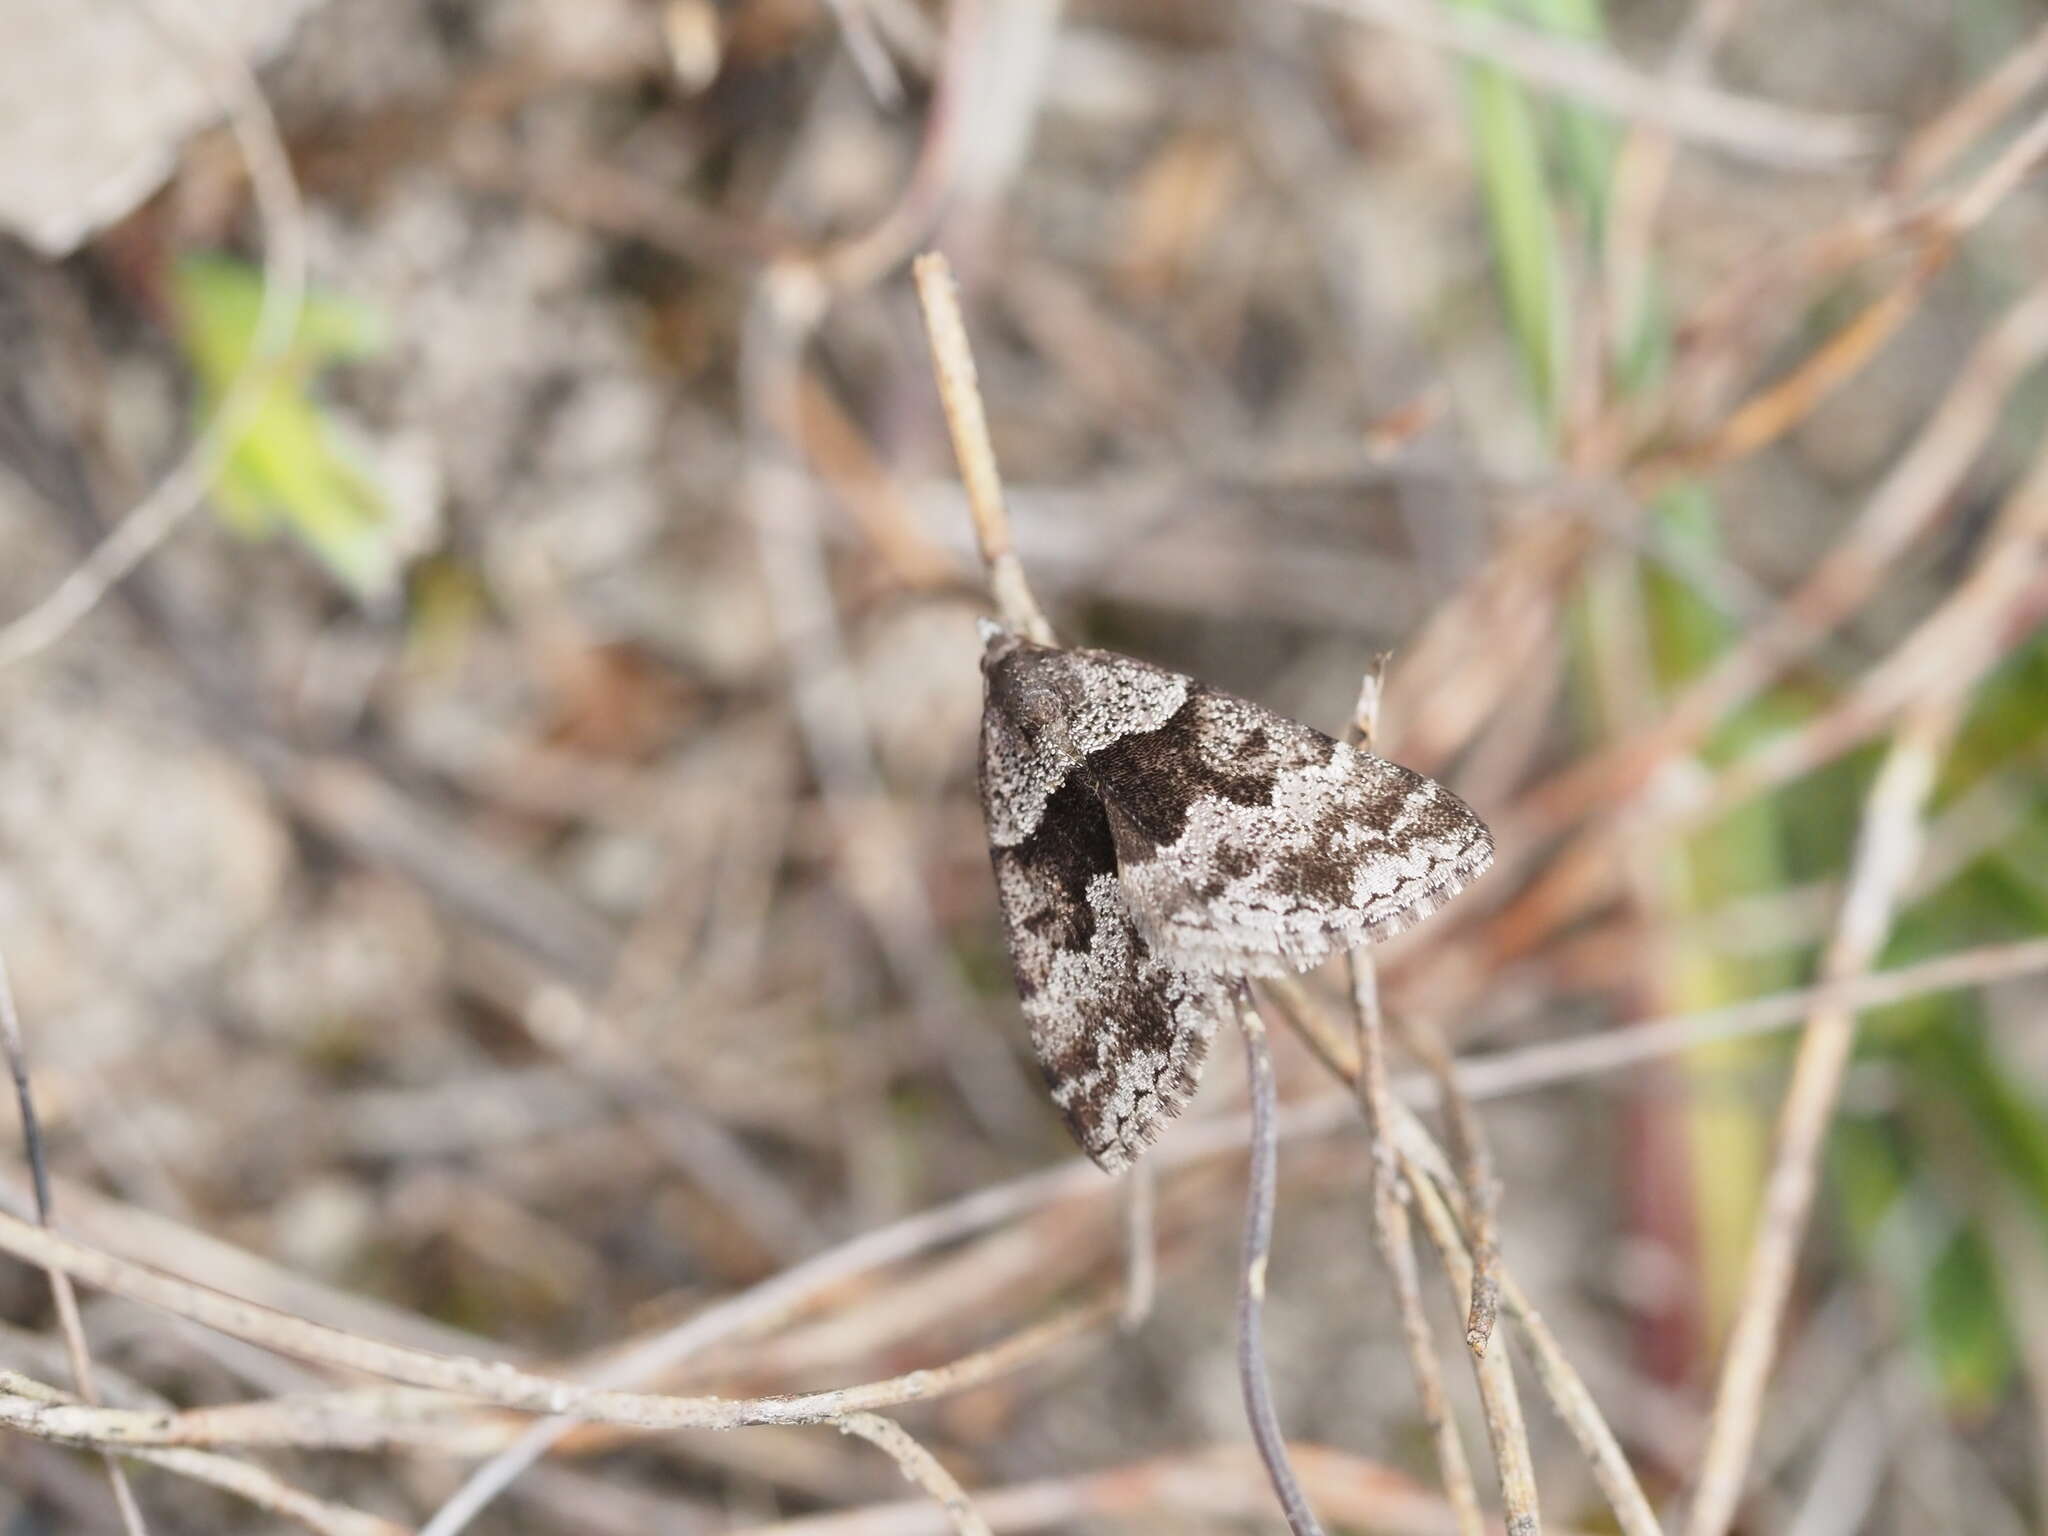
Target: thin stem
920 1466
1887 847
1499 1400
960 394
1421 1162
1251 1295
1391 1231
1394 1237
1476 1177
62 1293
1559 1379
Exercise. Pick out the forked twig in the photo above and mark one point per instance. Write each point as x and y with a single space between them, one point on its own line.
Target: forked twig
1394 1237
1481 1282
1498 1398
920 1466
33 1408
1392 1233
1475 1176
1559 1379
1420 1160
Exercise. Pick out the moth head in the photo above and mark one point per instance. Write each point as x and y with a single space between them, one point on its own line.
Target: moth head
1024 690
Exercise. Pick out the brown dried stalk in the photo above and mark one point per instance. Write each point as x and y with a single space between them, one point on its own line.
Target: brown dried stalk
1392 1234
953 364
967 424
1499 1400
1887 847
1395 1241
1420 1161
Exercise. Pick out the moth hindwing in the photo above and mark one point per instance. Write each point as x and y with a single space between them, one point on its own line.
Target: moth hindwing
1155 840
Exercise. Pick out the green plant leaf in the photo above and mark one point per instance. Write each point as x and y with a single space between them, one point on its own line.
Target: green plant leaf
292 471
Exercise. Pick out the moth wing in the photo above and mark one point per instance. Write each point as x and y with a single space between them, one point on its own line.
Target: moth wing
1119 1034
1249 844
1100 696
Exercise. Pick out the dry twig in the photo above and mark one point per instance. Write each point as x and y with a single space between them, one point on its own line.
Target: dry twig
1418 1159
919 1466
235 89
1474 1165
32 1408
1395 1240
1391 1230
1499 1400
62 1295
953 364
1762 131
1887 847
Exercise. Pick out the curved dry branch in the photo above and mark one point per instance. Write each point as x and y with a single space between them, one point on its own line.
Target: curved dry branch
158 515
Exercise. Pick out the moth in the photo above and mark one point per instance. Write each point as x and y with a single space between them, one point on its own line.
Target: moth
1155 841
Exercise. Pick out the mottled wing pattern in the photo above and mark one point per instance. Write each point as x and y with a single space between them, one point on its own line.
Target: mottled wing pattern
1098 696
1155 839
1119 1035
1249 844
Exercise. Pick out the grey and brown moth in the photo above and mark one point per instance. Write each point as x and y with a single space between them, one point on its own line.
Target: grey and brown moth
1155 841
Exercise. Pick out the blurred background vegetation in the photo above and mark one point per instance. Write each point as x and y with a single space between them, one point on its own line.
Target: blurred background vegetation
505 873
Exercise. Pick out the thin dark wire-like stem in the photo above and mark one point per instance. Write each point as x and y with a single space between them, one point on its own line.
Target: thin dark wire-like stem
1262 1187
24 1101
62 1293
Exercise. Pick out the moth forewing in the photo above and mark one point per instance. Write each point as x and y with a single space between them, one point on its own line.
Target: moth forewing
1156 839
